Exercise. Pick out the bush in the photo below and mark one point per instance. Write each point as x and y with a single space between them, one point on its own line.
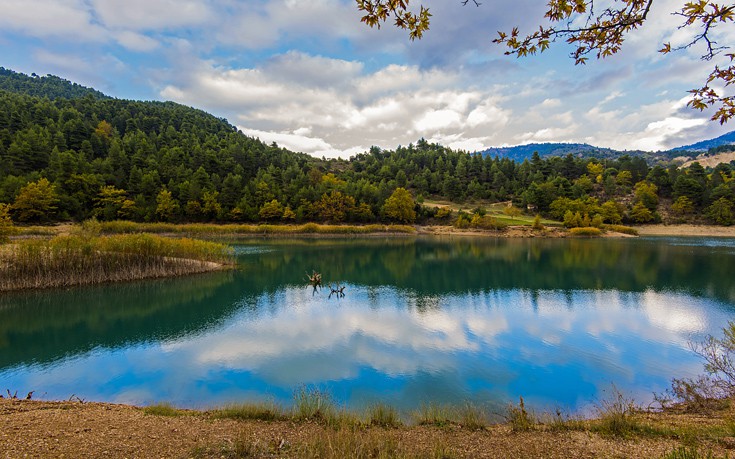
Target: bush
585 232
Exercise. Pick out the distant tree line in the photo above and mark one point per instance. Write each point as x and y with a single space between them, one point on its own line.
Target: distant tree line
64 157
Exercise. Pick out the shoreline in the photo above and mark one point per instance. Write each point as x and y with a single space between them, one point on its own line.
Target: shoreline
686 230
79 429
317 231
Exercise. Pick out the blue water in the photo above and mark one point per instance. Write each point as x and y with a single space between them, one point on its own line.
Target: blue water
422 320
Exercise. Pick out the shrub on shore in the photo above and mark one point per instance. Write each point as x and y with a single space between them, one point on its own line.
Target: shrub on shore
589 231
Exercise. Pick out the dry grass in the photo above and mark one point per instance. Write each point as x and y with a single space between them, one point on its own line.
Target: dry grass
127 227
75 260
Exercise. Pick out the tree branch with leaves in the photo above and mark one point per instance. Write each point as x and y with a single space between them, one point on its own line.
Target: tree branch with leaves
598 32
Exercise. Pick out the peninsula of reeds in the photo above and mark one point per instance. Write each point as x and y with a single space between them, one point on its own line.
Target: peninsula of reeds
82 259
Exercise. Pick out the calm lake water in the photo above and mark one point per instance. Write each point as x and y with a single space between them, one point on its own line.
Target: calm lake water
422 320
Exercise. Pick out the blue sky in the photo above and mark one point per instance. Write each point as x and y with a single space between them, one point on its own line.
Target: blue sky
308 75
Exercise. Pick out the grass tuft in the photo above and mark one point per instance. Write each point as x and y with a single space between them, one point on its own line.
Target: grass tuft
689 453
519 418
383 415
434 415
312 403
472 417
162 409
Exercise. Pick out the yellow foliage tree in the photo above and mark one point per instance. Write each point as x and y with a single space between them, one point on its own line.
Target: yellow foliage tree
400 206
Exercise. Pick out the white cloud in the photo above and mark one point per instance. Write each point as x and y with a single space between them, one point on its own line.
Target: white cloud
152 14
344 106
49 18
135 41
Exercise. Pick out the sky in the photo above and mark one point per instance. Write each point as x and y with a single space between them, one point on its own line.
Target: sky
308 75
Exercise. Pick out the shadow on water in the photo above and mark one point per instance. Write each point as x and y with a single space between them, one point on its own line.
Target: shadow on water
47 325
429 266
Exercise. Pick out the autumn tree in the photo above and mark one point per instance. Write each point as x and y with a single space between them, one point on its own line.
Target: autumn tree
599 31
400 206
272 210
36 202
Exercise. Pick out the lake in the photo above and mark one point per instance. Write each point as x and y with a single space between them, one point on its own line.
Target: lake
441 320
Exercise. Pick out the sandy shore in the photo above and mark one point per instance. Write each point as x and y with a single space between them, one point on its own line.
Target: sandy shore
92 430
686 230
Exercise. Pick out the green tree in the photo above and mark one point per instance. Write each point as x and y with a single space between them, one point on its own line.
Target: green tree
400 206
110 201
641 214
36 202
721 212
166 206
211 208
682 206
645 193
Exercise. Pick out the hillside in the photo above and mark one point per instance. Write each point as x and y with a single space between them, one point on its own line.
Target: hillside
72 158
521 152
49 86
726 139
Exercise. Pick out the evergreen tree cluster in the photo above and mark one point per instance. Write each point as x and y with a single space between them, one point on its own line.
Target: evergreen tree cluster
71 153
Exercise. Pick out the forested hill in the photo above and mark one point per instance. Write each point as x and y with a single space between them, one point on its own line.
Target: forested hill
64 157
49 86
132 150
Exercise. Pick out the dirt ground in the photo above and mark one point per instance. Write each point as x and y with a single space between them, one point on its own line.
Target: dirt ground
40 429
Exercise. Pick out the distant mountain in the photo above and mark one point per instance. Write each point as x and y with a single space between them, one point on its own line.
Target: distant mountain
545 150
583 150
705 145
49 86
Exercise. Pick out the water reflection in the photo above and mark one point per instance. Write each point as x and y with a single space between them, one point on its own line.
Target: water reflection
447 321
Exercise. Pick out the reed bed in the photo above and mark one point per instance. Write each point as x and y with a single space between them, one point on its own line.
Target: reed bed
75 260
127 227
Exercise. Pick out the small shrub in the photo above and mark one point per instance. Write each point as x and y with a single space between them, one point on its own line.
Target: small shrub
518 418
537 223
585 232
616 418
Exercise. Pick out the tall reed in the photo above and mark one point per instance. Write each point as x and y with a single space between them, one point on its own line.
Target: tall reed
75 260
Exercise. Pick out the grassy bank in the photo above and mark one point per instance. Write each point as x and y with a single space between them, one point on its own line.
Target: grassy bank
316 428
78 259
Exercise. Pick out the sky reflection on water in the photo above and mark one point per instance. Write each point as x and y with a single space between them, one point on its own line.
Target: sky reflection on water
398 344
